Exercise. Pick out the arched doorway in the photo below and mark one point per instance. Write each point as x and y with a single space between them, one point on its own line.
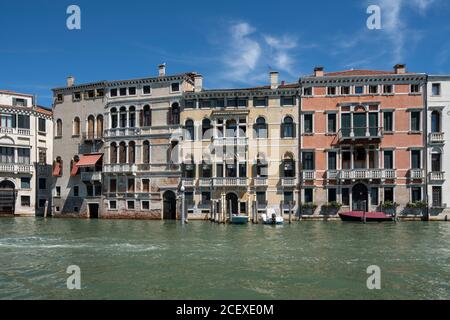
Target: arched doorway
232 203
169 206
360 195
7 197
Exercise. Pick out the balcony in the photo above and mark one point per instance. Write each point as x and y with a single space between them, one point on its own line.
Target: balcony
88 137
436 137
122 132
437 176
188 182
205 182
16 131
230 182
332 174
120 168
416 174
91 176
288 182
16 168
359 134
309 175
261 182
367 174
220 142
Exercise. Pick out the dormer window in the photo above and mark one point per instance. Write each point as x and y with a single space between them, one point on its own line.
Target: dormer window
19 102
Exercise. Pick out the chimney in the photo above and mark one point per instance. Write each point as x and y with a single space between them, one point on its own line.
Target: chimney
318 72
400 68
198 83
70 81
274 80
162 70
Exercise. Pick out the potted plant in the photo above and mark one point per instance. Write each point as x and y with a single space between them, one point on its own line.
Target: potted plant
309 208
417 207
332 208
389 207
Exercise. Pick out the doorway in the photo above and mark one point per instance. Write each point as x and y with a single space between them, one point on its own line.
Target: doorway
232 203
93 210
7 197
169 206
360 195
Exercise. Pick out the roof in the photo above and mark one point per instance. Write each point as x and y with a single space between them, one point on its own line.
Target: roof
281 86
89 160
358 73
16 93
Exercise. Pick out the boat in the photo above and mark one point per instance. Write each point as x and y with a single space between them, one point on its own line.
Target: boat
359 216
236 219
272 218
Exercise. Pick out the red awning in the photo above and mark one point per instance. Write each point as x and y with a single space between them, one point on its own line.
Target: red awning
89 160
57 169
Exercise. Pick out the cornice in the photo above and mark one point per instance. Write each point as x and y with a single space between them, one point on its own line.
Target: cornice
378 79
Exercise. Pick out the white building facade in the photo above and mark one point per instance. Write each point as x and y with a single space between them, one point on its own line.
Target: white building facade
26 149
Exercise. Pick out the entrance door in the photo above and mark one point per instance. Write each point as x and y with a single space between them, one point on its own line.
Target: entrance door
360 196
169 206
7 197
232 203
93 210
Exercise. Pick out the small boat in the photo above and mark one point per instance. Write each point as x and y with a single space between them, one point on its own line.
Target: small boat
272 218
358 216
235 219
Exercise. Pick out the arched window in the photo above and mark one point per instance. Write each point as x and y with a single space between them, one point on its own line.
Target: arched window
132 120
146 116
261 128
76 126
231 129
436 160
435 122
59 130
113 153
114 121
289 166
122 153
100 126
123 117
287 128
132 152
90 127
189 127
174 114
146 152
206 129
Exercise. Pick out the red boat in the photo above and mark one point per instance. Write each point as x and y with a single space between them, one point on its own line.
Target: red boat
359 216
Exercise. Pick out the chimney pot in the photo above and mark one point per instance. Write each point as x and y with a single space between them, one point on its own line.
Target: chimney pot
400 68
319 72
198 83
70 81
274 79
162 70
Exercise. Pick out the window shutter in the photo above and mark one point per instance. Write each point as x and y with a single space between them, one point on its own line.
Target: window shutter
282 130
169 116
141 118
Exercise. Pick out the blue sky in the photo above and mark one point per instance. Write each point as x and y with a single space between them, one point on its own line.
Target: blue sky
233 43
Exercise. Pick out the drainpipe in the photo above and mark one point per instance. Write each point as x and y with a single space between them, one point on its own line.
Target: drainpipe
425 143
299 155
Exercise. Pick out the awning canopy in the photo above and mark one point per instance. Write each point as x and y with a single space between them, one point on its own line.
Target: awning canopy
89 160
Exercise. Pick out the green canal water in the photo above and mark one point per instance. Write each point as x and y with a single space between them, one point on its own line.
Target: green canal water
165 260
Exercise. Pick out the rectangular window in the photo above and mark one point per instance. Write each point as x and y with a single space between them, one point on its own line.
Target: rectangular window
76 191
436 162
415 121
132 91
58 192
112 204
189 198
219 170
345 196
242 103
308 123
130 204
359 89
100 92
345 90
242 170
416 194
123 92
90 94
373 89
76 96
175 87
309 195
59 97
131 185
437 197
145 185
389 159
332 195
23 121
331 91
25 201
112 185
42 184
287 101
23 156
415 159
332 123
113 92
308 161
259 102
41 125
261 197
415 88
374 196
145 205
388 89
332 160
25 183
307 91
288 197
42 156
147 89
388 194
206 197
436 89
388 121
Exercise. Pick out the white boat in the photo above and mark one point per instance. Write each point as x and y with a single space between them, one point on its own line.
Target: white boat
271 217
